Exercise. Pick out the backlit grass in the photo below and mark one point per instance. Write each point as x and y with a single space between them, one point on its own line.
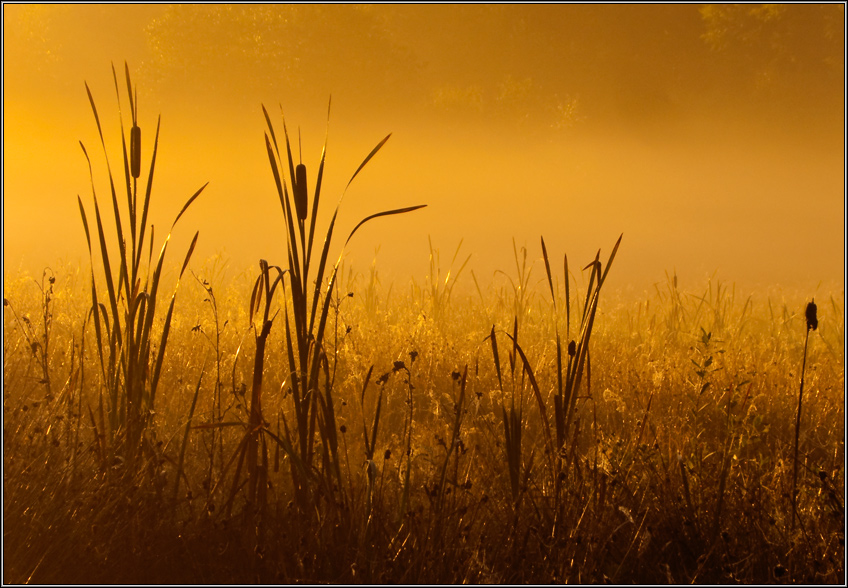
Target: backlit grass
312 424
679 465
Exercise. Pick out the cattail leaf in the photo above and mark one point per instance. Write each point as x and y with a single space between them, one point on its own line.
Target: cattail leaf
293 371
184 445
146 205
270 127
288 149
154 290
275 170
319 338
384 213
114 198
292 242
187 204
294 264
611 257
548 272
367 159
160 355
118 225
84 224
376 426
496 357
190 251
94 312
595 265
318 182
130 192
164 339
107 270
322 264
94 109
535 386
255 298
133 105
150 252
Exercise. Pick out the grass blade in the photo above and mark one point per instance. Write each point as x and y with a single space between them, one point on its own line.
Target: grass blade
367 159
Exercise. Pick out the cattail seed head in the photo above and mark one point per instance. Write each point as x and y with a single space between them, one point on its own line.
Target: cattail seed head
300 197
812 319
135 151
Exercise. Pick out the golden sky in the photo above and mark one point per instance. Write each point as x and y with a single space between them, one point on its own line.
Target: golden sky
712 137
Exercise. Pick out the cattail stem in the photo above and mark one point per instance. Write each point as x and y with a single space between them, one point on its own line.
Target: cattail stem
812 324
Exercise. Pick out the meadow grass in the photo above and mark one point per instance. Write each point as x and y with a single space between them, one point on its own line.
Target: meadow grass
309 428
679 462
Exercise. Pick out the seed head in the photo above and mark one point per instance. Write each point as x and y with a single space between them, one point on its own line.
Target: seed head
135 151
812 319
300 197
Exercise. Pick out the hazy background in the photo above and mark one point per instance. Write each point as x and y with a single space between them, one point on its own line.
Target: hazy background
712 137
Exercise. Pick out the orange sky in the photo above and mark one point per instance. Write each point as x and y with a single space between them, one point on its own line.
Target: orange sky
712 138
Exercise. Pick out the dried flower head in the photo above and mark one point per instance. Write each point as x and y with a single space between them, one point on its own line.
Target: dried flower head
812 319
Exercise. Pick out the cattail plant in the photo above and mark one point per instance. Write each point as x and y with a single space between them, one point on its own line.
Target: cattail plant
124 328
812 323
513 420
305 328
569 379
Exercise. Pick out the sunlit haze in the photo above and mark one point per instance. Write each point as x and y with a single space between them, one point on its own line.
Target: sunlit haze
713 138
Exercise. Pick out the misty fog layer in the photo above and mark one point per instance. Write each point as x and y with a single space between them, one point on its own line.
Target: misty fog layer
712 137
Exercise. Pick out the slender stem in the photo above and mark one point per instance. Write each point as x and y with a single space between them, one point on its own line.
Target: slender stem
797 433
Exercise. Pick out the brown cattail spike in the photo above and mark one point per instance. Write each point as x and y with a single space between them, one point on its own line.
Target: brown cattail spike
300 191
135 151
812 319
